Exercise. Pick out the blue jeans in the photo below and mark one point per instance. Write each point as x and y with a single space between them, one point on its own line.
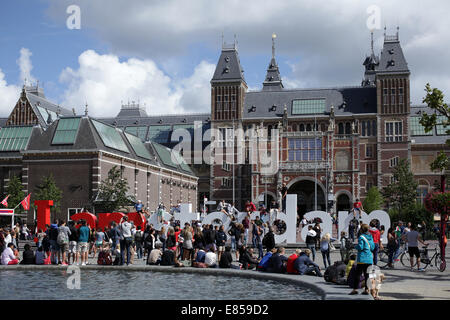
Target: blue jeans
310 270
139 250
312 247
233 243
375 253
260 249
125 245
326 256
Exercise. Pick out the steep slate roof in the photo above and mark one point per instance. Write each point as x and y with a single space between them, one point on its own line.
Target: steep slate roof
392 58
228 67
358 100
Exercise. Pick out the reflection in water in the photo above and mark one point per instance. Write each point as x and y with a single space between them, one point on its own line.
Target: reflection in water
119 284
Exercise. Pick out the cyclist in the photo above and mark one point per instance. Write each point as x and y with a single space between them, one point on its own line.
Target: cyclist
413 238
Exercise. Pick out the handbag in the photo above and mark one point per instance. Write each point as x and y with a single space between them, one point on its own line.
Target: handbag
332 247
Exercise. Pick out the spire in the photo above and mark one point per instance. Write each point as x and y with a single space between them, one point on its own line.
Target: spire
273 78
228 67
371 64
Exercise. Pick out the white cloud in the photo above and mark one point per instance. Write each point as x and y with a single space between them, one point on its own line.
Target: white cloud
103 81
25 65
9 95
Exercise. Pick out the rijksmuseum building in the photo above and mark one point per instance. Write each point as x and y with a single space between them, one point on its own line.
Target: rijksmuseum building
335 143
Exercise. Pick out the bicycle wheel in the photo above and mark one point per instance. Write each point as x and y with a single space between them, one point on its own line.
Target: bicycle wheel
440 264
406 261
383 259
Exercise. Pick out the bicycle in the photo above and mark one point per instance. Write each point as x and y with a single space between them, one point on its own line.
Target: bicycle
439 263
383 257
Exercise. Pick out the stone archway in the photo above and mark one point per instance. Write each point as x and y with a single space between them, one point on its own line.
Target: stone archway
305 190
343 202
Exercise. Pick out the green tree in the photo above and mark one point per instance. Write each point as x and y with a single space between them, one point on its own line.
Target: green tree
441 116
113 191
14 190
402 192
48 190
373 201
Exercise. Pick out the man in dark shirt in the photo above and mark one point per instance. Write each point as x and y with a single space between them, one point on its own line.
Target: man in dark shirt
28 255
284 191
304 265
277 263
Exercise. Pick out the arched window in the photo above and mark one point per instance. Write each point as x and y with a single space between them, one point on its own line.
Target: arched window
302 127
348 128
308 127
340 128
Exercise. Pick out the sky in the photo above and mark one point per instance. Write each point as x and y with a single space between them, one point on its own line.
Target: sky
163 53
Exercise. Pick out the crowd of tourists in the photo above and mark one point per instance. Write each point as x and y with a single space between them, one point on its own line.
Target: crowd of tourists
251 245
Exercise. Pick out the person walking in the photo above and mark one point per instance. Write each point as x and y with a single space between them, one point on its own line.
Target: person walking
311 241
392 246
325 248
73 240
63 241
364 258
376 236
412 238
221 239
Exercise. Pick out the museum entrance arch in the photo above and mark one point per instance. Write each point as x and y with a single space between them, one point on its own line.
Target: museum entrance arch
305 190
343 203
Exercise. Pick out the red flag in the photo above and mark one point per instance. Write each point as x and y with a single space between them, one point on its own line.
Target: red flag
26 202
5 201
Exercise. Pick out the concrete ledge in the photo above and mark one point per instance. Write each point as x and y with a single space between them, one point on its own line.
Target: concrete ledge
328 291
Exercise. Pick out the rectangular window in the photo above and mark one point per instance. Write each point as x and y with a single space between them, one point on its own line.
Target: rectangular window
417 129
394 131
369 151
440 129
227 182
385 96
393 162
66 131
308 106
369 168
369 184
304 149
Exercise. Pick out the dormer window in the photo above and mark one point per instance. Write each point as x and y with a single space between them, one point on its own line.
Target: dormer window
391 63
227 59
391 51
252 109
273 108
226 70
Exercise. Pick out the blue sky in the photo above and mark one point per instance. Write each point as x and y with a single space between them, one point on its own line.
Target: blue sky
163 52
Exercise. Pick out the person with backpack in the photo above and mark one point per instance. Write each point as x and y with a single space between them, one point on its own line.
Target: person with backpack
63 241
139 240
171 242
311 241
73 239
365 247
376 235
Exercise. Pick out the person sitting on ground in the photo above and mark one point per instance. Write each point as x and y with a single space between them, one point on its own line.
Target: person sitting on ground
211 258
155 255
226 260
277 263
248 261
9 257
40 256
28 255
290 262
200 256
168 258
264 263
304 265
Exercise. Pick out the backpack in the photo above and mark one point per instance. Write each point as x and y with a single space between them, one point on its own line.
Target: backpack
330 273
104 258
349 244
62 237
336 273
138 236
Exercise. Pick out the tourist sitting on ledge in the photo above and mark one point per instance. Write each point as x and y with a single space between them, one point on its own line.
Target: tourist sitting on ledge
41 256
277 263
246 258
155 255
200 256
211 259
9 255
304 265
264 263
28 255
168 258
290 262
226 260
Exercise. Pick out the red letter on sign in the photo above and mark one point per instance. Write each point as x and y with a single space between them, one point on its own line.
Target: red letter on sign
104 219
91 219
43 213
